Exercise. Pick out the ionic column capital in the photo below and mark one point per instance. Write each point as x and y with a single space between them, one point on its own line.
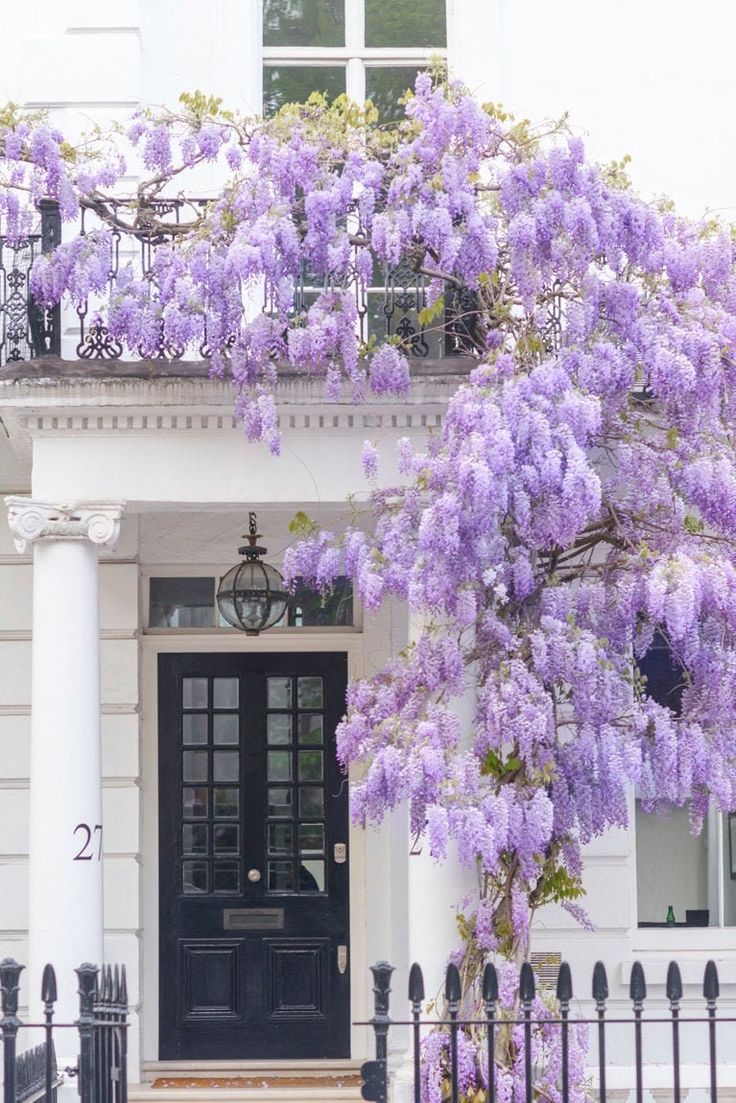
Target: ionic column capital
30 520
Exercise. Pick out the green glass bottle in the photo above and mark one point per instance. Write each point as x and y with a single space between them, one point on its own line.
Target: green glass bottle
670 920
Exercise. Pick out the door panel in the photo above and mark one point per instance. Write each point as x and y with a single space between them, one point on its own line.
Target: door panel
253 821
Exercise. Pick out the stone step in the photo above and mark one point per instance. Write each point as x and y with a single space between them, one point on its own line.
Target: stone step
248 1082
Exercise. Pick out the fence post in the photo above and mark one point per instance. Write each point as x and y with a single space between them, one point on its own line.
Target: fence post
490 998
416 996
673 989
637 994
45 322
527 991
453 993
49 996
10 972
600 995
87 975
375 1073
564 995
711 992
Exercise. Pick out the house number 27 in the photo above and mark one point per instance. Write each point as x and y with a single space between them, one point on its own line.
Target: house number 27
91 842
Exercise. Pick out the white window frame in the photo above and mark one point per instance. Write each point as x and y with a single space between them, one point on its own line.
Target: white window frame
355 55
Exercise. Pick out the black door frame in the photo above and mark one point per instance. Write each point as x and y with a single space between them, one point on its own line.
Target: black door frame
339 647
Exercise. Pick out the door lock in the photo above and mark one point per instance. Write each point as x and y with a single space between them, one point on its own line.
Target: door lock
254 875
340 852
342 958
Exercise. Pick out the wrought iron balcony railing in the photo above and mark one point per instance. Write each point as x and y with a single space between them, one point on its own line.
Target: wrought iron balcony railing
392 306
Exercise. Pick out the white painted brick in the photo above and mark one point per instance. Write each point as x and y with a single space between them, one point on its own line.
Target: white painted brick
13 821
118 597
119 746
15 746
119 667
122 887
120 818
15 672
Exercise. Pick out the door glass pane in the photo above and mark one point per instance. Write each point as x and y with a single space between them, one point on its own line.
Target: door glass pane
194 766
194 877
312 876
226 727
194 693
227 803
278 726
226 765
227 838
194 838
311 838
278 693
310 765
225 693
309 693
390 24
311 801
194 802
279 766
280 838
280 877
226 877
194 727
385 86
303 22
280 801
295 84
310 727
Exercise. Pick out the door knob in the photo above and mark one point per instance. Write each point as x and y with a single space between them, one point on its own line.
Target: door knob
254 875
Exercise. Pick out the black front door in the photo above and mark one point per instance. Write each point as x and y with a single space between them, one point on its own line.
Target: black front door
253 840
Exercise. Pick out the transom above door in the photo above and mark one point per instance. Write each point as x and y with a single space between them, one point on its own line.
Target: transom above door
253 857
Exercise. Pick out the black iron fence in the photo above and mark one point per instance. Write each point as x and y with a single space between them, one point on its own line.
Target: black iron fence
100 1030
503 1036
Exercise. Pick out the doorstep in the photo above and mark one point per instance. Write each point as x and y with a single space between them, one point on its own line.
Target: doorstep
248 1082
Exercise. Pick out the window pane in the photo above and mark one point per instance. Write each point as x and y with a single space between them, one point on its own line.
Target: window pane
226 765
310 765
226 727
385 87
312 876
195 766
311 801
310 693
295 84
279 765
311 838
280 838
279 727
194 877
227 803
225 693
194 803
181 603
672 869
311 607
279 693
194 727
226 838
194 693
279 802
280 877
226 877
390 24
194 838
303 22
310 727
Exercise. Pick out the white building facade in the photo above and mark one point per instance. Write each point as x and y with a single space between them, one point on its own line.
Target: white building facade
164 779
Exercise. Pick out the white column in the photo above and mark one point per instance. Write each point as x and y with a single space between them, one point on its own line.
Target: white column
65 844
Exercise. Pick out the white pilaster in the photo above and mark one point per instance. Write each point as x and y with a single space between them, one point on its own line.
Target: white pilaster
65 844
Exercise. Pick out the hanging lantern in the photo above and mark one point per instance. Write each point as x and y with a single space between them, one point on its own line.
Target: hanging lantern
251 596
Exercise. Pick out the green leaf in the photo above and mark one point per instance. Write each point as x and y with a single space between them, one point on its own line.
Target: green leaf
302 524
429 313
